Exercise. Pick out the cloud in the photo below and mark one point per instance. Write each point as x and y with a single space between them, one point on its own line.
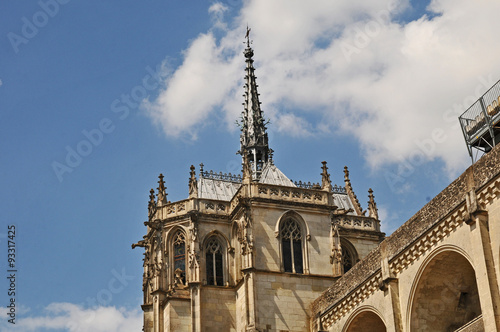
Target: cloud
74 318
396 86
389 221
217 10
293 125
1 83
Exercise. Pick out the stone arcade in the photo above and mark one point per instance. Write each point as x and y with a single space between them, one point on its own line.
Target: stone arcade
250 252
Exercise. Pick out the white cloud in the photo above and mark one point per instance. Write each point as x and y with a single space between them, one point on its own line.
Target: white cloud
389 222
397 88
74 318
217 11
1 82
292 125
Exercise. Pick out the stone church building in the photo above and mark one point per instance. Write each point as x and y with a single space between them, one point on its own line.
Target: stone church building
258 252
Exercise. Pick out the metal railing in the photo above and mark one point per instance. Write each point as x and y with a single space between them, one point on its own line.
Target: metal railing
221 176
482 115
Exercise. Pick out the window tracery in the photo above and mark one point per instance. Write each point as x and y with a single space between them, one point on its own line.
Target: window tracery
349 256
291 246
214 262
179 246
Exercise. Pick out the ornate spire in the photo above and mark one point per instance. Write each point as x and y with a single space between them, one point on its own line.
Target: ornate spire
193 184
326 184
162 194
372 206
351 194
253 138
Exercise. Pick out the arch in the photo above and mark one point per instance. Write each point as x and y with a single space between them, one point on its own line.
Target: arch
293 214
176 247
365 318
292 233
349 254
215 247
444 294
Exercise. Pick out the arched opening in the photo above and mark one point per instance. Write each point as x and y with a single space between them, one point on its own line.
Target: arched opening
349 255
446 295
179 257
367 321
291 246
293 235
214 262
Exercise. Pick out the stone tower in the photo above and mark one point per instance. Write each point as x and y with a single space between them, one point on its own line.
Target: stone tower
249 252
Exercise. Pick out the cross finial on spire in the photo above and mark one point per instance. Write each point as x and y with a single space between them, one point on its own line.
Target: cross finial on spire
247 36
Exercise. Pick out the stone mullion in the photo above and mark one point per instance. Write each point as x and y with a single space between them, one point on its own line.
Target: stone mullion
214 268
292 255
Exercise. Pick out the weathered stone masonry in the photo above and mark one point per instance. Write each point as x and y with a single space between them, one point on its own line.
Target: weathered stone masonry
463 219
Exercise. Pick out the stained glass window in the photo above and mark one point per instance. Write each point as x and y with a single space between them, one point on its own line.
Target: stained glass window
180 254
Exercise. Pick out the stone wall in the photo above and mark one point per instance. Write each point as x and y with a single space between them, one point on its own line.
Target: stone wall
284 300
241 309
177 316
218 309
268 247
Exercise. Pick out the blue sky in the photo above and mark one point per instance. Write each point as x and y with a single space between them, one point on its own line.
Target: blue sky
99 97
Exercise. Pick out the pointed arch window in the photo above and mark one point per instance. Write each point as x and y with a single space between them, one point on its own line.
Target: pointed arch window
349 255
347 260
291 246
214 262
179 246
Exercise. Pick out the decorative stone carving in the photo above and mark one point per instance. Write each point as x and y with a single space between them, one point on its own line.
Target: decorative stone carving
372 206
193 183
162 194
151 204
193 253
178 282
351 194
326 183
336 249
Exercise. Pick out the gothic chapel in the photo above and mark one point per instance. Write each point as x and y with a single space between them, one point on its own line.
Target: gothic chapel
250 252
